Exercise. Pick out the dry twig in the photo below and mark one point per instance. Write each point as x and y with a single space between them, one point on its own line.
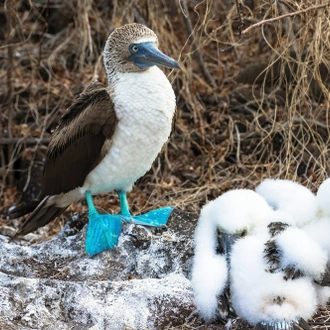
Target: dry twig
274 19
197 53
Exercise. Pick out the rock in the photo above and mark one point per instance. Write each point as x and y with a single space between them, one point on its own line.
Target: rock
142 284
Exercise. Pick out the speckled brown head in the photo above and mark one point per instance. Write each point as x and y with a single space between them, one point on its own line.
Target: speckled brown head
134 48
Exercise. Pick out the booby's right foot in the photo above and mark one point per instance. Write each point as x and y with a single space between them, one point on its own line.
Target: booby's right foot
103 229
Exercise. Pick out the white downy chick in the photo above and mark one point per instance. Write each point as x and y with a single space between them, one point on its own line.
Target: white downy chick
323 198
264 298
247 211
289 196
312 213
300 253
319 231
319 228
271 277
271 286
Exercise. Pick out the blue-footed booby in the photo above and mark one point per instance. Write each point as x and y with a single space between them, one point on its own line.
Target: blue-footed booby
109 138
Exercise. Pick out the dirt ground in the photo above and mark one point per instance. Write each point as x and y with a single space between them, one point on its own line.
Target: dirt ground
252 101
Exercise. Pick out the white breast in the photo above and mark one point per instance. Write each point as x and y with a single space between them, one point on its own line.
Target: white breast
144 105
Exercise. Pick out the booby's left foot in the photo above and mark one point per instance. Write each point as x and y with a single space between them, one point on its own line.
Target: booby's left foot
103 229
154 218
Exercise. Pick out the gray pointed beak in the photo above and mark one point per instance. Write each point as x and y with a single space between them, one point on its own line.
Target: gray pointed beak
147 54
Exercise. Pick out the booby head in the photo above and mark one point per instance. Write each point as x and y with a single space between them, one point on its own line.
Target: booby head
235 214
134 48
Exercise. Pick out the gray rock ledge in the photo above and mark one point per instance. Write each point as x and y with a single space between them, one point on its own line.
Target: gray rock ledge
142 284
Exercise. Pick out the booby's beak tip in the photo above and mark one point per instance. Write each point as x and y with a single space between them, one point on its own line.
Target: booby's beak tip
177 66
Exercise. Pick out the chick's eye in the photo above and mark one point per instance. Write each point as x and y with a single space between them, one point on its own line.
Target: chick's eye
134 48
243 233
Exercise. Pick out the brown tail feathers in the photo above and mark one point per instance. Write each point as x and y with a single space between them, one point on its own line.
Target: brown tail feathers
41 215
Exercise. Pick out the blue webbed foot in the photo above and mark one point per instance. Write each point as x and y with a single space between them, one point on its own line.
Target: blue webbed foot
154 218
103 229
102 232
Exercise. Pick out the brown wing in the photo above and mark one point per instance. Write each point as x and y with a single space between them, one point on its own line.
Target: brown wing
77 141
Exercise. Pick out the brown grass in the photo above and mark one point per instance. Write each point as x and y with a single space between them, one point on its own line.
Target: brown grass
263 113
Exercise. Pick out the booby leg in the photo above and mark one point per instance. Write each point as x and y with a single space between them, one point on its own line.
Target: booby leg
154 218
103 229
124 208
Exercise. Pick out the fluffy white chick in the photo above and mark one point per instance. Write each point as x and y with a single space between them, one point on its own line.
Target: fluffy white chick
319 228
312 213
271 276
319 231
289 196
264 298
299 255
323 197
245 209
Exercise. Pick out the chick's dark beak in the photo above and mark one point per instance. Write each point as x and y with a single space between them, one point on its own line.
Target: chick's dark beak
226 242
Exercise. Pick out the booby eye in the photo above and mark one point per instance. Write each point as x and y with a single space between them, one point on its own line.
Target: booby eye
134 48
243 233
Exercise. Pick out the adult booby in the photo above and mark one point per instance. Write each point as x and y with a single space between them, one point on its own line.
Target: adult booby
109 138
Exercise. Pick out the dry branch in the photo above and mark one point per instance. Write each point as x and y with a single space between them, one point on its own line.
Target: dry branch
208 77
274 19
9 10
28 141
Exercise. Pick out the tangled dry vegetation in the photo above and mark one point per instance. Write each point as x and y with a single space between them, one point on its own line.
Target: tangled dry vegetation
252 102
